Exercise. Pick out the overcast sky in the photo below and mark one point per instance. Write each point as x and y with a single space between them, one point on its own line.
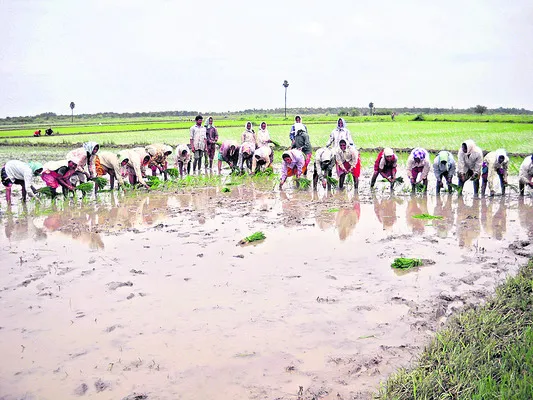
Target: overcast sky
232 55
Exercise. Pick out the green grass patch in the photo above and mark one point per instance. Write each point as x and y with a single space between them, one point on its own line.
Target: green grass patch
427 216
485 352
406 263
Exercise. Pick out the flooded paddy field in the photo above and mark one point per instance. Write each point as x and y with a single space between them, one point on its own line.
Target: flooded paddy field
150 296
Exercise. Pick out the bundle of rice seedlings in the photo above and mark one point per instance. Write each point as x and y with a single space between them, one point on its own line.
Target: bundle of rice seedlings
427 216
253 238
153 181
332 181
47 191
304 183
85 187
173 172
406 263
399 179
100 182
275 143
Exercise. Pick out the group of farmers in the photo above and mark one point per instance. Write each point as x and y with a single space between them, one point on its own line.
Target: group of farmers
341 153
255 152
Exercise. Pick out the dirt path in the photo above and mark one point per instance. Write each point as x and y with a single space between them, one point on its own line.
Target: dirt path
152 298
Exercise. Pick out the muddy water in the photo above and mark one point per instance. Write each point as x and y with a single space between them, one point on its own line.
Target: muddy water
152 295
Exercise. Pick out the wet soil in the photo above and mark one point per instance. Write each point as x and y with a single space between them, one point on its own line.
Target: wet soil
151 297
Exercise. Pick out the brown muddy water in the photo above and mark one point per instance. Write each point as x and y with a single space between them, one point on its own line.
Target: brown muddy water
150 297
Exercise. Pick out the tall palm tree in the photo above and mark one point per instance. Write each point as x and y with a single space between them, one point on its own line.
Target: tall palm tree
371 106
285 85
72 105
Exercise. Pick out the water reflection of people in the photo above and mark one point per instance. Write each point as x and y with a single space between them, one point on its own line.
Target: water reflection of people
468 225
494 224
525 214
385 210
445 210
347 219
22 228
416 205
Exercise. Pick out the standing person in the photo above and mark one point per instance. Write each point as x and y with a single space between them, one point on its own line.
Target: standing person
292 134
183 159
469 162
494 163
229 152
324 162
20 173
347 161
301 142
338 134
262 157
198 143
525 176
158 158
85 157
385 165
212 139
109 165
444 167
130 161
248 138
293 165
418 164
58 173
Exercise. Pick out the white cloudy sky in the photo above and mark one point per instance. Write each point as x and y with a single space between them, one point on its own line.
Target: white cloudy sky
139 55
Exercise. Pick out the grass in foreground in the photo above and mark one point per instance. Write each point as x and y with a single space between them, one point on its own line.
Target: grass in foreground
485 352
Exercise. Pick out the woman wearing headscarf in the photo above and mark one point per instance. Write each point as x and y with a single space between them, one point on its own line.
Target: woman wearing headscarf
262 139
444 167
211 134
158 157
385 165
292 134
338 134
182 159
494 163
248 144
525 176
58 173
131 161
418 164
85 158
20 173
301 142
324 163
110 165
469 163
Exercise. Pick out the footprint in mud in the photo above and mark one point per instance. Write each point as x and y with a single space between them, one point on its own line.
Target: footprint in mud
81 390
100 385
136 396
116 285
112 328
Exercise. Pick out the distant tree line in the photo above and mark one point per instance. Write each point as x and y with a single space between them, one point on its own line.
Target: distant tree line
341 111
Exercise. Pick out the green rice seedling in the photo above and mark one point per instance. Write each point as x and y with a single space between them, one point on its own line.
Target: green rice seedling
226 190
154 182
47 191
427 216
332 181
85 187
406 263
173 172
333 210
514 187
399 179
100 182
253 238
303 183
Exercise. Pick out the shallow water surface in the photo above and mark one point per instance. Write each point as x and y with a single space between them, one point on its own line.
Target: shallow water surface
151 294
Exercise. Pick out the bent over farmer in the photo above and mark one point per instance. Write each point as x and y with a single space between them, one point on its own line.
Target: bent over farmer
495 163
293 165
385 165
469 162
444 168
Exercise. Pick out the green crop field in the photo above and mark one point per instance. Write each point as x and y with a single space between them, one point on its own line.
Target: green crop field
514 137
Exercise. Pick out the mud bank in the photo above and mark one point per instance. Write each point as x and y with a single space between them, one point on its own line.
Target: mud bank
151 297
